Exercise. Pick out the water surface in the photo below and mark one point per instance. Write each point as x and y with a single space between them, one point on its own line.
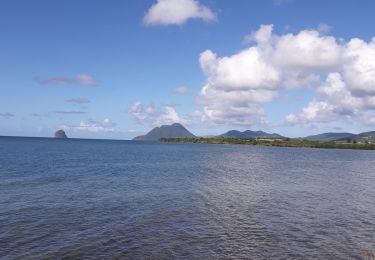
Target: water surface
139 200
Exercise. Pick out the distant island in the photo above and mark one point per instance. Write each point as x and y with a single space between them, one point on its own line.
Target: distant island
178 133
60 134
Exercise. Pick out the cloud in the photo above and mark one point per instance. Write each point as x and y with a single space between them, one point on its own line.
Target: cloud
141 113
85 79
324 28
308 52
236 85
79 100
93 126
155 115
177 12
359 69
341 73
182 90
168 116
7 115
80 79
350 92
70 112
315 112
334 102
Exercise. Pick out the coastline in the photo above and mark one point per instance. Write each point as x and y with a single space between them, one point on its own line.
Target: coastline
287 142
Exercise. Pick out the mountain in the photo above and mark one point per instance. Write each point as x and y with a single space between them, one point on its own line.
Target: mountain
249 134
175 130
60 134
329 137
363 137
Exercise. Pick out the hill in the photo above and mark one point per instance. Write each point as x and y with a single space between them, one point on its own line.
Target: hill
175 130
249 134
363 137
325 137
60 134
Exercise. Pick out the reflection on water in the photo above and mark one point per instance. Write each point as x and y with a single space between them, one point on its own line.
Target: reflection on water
85 198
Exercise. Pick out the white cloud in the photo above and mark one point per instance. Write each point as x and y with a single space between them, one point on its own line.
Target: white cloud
308 51
315 112
369 119
93 126
237 84
168 116
85 79
262 35
334 102
139 112
359 69
343 75
155 115
182 90
177 12
242 71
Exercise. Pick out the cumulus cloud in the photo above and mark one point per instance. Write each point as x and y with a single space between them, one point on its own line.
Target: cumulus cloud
308 52
350 92
334 102
232 73
155 115
342 74
315 112
79 100
93 126
80 79
6 115
182 90
177 12
359 69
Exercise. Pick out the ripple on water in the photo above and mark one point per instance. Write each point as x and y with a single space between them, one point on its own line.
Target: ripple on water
105 199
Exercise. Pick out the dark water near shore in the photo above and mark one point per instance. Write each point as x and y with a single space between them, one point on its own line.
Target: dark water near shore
136 200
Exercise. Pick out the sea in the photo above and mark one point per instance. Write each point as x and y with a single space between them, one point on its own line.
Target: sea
107 199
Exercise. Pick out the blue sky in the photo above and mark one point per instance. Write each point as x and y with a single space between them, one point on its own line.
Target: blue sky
115 69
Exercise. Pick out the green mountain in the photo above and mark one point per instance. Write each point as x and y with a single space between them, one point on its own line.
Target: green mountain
326 137
175 130
249 134
363 137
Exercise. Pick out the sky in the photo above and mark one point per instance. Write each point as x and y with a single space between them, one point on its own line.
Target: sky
116 69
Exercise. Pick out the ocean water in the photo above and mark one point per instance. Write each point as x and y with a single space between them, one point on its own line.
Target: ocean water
87 199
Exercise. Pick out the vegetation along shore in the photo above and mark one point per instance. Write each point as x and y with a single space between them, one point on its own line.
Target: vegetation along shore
285 142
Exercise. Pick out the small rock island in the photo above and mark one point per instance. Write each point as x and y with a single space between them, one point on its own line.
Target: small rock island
60 134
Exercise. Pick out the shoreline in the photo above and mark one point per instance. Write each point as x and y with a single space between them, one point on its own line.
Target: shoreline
294 143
